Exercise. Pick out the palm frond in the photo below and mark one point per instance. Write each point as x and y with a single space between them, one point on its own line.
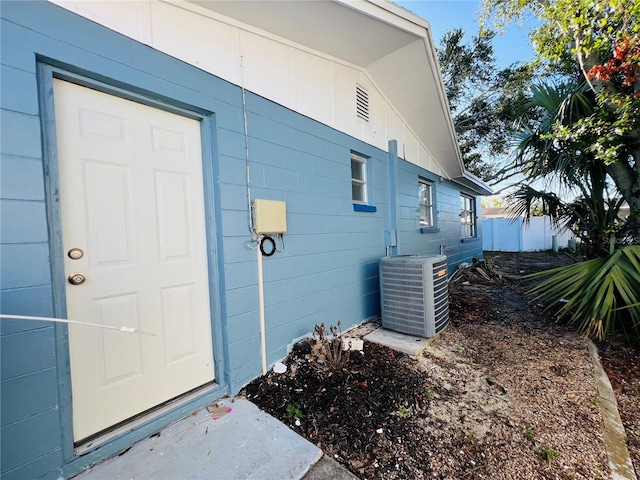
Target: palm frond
526 199
596 295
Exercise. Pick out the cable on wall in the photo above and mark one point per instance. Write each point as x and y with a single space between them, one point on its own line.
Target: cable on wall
246 144
270 249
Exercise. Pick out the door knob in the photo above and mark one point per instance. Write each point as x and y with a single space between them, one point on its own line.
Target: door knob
75 253
77 279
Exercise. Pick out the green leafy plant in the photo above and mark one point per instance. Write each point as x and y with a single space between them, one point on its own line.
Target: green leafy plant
596 40
459 349
429 394
404 412
596 295
593 401
294 411
529 434
548 454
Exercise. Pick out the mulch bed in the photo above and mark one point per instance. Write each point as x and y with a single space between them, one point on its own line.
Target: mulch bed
503 393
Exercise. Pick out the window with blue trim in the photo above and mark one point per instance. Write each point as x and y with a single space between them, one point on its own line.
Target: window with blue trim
358 178
425 199
360 183
468 216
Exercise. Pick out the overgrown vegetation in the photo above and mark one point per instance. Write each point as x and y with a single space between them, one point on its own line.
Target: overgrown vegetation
597 293
294 411
579 131
529 434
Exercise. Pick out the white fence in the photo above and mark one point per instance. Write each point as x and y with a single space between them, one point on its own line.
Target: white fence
506 235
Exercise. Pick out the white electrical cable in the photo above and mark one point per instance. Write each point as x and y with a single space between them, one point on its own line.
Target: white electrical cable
246 144
123 329
254 243
255 237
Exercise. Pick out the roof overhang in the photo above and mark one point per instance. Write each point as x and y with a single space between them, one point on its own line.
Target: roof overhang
393 45
473 183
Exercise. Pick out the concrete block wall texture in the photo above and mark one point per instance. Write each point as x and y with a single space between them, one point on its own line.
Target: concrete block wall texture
327 270
446 211
35 381
30 432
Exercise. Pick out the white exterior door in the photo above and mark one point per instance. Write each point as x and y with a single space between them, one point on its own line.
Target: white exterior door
131 199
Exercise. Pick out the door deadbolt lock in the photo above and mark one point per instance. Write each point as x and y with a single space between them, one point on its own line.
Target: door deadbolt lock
77 279
75 253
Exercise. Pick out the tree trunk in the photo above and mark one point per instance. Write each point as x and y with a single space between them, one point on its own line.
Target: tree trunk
627 180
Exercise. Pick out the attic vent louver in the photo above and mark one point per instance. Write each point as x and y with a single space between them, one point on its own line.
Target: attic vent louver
362 103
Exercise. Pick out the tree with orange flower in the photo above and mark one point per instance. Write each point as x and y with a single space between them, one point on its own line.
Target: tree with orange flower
602 39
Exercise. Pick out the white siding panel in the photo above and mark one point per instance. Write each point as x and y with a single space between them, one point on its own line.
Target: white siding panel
314 86
289 74
345 80
425 160
267 68
411 147
394 125
501 234
123 17
195 39
373 131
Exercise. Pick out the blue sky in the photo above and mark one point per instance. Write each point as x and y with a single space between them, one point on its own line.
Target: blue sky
510 47
445 15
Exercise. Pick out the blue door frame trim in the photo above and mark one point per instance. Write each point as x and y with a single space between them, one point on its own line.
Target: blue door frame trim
48 70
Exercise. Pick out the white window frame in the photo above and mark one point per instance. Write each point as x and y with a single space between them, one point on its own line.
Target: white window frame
359 183
467 216
425 203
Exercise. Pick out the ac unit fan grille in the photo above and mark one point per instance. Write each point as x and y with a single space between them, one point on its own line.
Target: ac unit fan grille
414 294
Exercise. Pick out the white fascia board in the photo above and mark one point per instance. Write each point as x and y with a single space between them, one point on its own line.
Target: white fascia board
402 18
474 183
391 14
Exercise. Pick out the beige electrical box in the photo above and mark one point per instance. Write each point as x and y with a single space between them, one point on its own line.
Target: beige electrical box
269 216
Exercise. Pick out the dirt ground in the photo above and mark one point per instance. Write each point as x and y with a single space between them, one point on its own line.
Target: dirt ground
503 393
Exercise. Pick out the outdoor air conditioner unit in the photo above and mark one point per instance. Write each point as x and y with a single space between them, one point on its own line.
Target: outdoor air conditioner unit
414 294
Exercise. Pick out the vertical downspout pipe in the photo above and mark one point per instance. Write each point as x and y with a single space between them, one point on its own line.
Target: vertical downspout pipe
263 330
393 193
255 237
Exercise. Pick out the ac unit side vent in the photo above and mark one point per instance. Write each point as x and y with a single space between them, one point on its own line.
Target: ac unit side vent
414 294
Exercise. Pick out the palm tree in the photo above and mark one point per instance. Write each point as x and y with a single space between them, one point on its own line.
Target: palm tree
603 292
543 156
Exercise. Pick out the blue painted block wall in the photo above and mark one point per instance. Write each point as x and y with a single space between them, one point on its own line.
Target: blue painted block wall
446 211
30 432
327 270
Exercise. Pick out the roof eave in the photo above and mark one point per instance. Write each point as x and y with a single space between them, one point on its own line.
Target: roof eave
473 183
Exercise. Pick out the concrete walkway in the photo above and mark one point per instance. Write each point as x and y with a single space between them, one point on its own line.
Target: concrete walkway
244 444
248 444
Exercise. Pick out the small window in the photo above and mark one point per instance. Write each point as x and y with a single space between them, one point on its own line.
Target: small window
358 178
425 199
468 216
